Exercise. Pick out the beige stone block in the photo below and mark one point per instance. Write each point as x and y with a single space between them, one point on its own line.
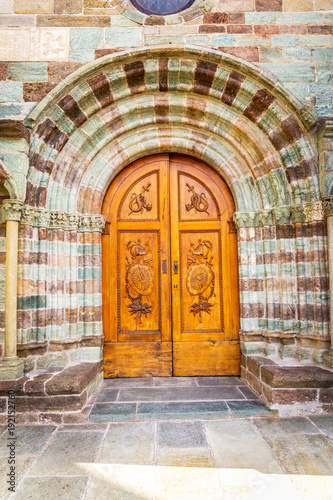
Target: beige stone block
34 6
50 44
323 5
14 45
234 6
297 5
6 6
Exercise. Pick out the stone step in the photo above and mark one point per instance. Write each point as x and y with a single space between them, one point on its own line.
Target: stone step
177 410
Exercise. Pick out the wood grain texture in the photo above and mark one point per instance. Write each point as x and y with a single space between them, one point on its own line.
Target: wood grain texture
206 358
137 359
168 243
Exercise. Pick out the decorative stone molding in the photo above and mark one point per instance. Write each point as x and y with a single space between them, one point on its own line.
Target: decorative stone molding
293 214
38 217
314 211
12 210
282 215
197 9
328 206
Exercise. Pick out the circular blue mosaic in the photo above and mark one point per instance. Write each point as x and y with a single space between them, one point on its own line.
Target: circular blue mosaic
161 7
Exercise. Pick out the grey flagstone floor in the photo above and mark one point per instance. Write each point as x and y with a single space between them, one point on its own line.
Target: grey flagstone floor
196 454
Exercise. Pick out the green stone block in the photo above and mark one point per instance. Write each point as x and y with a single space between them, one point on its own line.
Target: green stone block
17 145
314 40
27 71
271 55
11 92
81 55
259 17
87 38
197 40
134 15
284 40
308 17
284 18
123 37
223 40
286 72
164 39
121 21
31 302
324 72
16 111
323 55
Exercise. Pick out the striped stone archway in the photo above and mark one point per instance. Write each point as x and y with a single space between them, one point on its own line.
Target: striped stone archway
232 115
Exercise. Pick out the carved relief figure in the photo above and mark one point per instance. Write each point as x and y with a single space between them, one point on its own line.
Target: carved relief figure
138 202
139 279
200 277
199 202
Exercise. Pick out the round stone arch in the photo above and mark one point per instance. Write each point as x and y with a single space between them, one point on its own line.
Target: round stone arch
213 106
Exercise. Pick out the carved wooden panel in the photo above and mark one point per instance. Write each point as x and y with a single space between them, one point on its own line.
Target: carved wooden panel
170 283
201 281
196 201
141 200
138 282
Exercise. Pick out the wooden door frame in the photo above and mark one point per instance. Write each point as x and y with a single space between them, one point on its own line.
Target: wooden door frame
133 165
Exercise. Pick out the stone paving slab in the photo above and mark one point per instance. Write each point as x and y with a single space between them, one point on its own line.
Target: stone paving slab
324 423
31 439
52 488
180 394
281 427
226 459
237 444
110 412
180 435
248 408
183 410
129 443
303 454
219 381
65 453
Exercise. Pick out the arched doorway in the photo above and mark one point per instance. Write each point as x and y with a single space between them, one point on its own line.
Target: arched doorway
170 279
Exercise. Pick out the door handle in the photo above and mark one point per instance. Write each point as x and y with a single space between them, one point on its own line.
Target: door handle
175 267
164 267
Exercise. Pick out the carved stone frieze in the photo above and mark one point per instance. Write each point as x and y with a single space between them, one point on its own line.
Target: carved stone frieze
328 206
12 209
281 215
61 220
314 211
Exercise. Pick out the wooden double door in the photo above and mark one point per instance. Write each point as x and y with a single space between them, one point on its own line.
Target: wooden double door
170 280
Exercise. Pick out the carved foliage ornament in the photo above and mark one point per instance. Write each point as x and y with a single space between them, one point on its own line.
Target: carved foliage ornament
61 220
139 279
12 209
200 279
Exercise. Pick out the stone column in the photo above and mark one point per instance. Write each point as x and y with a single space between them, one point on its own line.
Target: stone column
328 209
11 367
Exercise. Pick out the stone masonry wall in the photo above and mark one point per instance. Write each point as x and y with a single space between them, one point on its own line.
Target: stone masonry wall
290 38
43 42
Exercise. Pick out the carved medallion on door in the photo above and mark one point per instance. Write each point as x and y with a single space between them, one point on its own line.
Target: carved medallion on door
170 282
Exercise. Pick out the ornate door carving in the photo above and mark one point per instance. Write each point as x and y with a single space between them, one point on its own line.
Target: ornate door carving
164 250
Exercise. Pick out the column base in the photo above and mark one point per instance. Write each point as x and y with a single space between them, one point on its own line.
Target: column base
11 369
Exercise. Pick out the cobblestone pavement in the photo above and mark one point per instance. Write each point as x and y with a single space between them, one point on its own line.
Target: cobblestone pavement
227 457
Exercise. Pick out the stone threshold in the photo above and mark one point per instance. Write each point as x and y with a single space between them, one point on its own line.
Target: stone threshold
175 398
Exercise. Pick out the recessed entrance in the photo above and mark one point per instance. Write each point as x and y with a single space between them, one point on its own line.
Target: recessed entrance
170 280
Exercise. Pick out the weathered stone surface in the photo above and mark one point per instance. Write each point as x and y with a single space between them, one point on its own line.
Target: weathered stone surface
254 364
35 92
73 21
281 427
31 440
27 72
128 443
236 444
16 385
68 6
187 457
268 5
73 380
51 404
49 487
36 386
180 435
303 454
60 457
324 423
59 70
34 6
294 376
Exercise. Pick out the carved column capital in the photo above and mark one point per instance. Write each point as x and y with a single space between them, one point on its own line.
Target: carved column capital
314 211
12 209
328 206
